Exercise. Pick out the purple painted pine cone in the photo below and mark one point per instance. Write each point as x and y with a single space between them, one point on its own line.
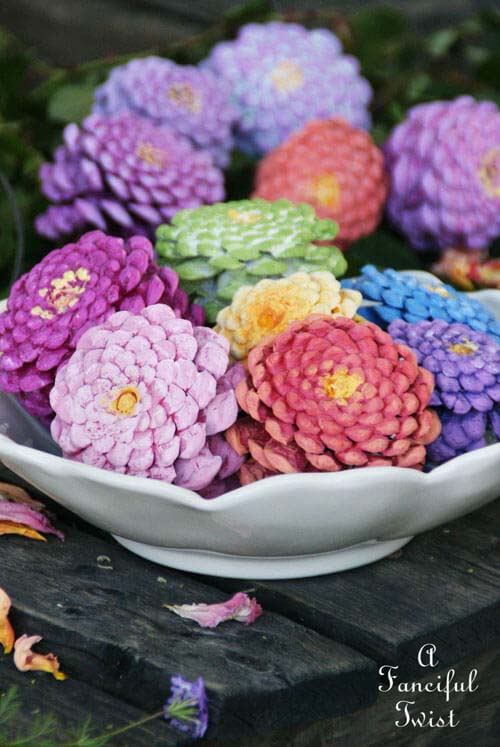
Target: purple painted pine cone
282 76
465 363
459 434
69 291
444 164
192 102
124 174
144 394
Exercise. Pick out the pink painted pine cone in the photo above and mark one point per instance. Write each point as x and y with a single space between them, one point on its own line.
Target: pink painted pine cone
69 291
123 174
144 394
330 394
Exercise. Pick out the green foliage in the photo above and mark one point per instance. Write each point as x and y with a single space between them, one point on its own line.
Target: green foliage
403 66
44 730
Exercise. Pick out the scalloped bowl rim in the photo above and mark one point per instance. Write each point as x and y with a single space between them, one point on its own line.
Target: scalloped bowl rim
265 529
185 497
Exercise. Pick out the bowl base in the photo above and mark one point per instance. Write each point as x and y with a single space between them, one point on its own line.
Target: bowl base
265 568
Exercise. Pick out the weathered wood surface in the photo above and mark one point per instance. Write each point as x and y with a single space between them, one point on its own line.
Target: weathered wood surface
111 632
444 586
289 679
478 714
72 701
70 31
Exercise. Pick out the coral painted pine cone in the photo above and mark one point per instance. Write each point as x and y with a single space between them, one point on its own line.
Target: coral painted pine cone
330 394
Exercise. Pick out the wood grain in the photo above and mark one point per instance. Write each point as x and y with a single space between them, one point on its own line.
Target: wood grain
67 32
109 629
443 587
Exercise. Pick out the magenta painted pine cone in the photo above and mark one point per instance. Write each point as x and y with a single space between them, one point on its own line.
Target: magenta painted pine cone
444 164
330 394
123 174
144 394
70 290
188 100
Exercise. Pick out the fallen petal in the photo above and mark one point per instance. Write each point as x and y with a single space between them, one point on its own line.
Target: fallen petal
16 494
19 514
10 527
27 660
240 607
7 635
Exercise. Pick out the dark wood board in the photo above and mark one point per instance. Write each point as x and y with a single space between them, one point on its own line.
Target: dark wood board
110 631
71 702
444 586
477 715
67 32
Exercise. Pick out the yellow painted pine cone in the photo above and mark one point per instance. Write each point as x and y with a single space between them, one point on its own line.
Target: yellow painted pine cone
267 308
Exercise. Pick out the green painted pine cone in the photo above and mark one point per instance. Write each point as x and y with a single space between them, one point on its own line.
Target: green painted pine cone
216 249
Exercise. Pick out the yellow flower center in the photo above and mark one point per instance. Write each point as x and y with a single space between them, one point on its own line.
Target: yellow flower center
467 347
325 190
125 401
439 289
489 173
287 76
341 385
270 317
183 95
246 217
148 153
63 293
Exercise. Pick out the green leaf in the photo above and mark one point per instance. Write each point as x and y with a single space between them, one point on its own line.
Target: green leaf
383 249
71 103
441 41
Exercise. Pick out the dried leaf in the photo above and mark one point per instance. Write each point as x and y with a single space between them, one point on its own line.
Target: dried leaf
240 607
6 631
16 494
27 660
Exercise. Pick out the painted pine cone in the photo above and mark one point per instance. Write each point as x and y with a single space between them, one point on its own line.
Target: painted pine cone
334 167
459 435
444 165
465 363
282 76
70 290
401 296
143 394
192 102
123 174
268 307
329 394
216 249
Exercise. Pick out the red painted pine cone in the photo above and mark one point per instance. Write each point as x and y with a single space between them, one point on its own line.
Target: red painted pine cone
330 394
334 167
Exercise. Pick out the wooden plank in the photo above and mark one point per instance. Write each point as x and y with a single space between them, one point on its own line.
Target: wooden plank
442 587
477 716
72 702
109 629
64 31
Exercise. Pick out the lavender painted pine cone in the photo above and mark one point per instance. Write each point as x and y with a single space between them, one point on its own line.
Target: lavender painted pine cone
459 435
144 394
124 174
69 291
465 363
192 102
444 164
282 76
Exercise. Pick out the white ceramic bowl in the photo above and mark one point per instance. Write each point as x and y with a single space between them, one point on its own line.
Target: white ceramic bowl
288 526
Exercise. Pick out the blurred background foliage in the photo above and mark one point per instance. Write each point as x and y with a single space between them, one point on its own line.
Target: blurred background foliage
404 66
